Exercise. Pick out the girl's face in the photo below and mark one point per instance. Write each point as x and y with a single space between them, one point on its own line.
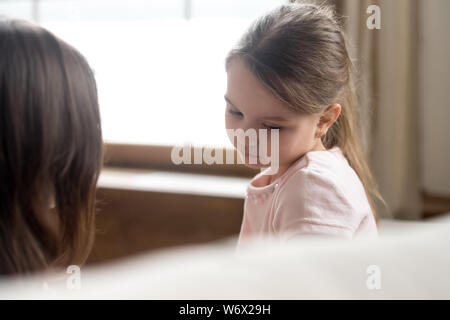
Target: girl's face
251 105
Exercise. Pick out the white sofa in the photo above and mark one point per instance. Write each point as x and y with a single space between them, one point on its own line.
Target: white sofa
410 260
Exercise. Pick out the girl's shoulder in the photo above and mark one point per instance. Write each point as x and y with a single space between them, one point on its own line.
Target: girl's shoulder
324 188
328 167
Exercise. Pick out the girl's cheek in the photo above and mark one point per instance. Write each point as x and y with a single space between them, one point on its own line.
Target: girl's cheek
228 122
230 127
290 146
274 146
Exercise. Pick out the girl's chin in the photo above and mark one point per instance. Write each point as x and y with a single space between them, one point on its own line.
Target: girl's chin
253 163
253 166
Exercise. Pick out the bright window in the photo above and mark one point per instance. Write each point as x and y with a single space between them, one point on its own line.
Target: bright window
159 64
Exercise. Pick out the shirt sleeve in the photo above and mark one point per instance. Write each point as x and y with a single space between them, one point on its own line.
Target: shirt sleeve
311 203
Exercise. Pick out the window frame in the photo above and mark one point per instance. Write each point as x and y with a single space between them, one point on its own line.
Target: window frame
158 157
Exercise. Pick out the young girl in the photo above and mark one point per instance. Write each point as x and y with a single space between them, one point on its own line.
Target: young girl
50 151
291 71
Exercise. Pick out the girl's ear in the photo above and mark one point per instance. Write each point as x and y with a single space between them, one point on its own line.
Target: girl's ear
327 118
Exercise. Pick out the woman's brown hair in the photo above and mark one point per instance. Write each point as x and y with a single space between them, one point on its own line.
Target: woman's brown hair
299 53
50 150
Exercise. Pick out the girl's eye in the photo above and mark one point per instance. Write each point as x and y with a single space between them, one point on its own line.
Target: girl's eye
236 113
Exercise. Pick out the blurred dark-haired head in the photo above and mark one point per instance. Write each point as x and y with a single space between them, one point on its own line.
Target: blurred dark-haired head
50 150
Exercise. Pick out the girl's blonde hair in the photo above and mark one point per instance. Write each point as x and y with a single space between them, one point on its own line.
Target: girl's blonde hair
299 53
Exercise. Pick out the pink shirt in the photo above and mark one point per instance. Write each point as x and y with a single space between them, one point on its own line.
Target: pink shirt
319 194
